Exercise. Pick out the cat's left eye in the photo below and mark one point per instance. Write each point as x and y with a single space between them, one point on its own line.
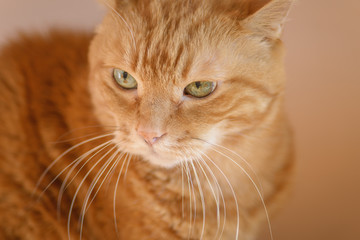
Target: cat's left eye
124 79
200 89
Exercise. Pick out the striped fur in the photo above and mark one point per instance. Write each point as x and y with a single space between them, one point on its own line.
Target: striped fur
216 151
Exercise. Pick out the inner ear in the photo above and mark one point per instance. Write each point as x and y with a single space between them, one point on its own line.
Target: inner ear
255 5
269 19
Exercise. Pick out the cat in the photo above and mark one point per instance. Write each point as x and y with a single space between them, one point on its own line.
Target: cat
167 123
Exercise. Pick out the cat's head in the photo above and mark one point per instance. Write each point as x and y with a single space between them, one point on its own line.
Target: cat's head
178 76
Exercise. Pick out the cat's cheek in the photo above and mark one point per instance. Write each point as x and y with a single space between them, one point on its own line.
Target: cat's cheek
213 136
112 106
102 111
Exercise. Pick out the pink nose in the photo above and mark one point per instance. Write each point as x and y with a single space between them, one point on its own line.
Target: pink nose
150 137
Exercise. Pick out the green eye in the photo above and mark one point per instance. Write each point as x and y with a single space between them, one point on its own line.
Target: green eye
124 79
200 89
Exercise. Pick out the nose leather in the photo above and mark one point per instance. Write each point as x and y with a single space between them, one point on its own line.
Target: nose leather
150 137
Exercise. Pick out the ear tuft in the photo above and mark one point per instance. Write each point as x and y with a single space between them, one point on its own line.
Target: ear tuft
269 20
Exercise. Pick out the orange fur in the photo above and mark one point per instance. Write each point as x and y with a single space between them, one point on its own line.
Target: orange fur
48 89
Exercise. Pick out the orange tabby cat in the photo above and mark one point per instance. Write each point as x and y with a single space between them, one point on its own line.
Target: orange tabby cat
174 130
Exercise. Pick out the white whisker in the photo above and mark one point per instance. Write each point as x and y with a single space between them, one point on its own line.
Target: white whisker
244 160
127 166
238 155
111 175
221 195
115 191
86 206
72 163
182 189
256 188
190 189
112 167
233 192
64 184
216 197
79 187
63 154
202 200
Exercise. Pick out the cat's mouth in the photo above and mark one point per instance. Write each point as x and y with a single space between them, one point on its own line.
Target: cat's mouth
162 156
168 152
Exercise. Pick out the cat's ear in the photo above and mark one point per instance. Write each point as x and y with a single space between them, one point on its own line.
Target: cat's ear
108 3
269 19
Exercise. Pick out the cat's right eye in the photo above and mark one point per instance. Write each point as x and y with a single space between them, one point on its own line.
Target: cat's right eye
124 79
200 89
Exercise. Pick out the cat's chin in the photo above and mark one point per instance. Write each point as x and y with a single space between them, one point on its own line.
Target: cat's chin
157 156
161 161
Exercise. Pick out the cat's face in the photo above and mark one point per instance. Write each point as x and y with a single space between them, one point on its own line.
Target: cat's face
194 76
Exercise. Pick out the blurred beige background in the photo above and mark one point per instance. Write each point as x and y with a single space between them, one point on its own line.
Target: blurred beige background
323 65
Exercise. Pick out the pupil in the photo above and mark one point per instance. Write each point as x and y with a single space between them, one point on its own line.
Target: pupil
125 75
198 85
